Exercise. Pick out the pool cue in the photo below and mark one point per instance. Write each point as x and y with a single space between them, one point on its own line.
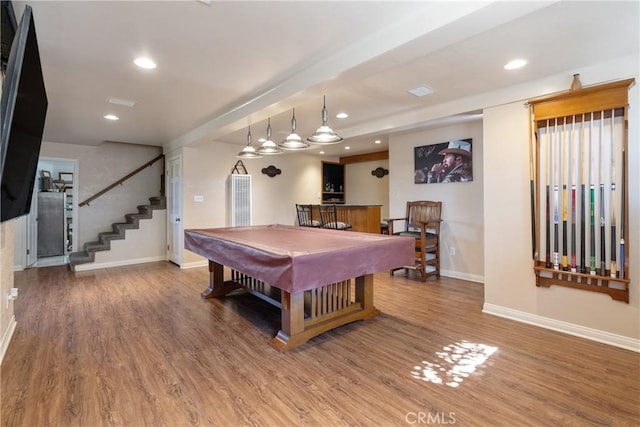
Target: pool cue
583 237
592 200
565 177
556 204
603 238
572 152
612 271
532 137
548 221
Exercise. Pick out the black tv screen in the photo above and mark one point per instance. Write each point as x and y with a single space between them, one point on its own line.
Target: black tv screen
24 109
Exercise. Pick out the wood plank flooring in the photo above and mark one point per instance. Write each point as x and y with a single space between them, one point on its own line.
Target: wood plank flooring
137 346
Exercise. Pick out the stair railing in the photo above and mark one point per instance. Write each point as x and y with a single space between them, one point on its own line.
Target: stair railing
124 178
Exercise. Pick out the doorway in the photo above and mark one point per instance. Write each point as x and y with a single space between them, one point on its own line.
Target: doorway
173 176
51 226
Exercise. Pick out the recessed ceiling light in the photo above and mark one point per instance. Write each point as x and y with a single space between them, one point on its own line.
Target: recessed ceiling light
342 115
146 63
322 152
347 148
377 141
515 64
111 117
421 91
120 101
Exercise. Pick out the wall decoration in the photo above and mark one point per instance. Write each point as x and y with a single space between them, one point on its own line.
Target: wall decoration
446 162
65 176
271 171
379 172
239 169
578 169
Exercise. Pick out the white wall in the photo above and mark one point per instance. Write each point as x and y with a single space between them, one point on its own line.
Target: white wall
205 173
509 279
462 202
364 188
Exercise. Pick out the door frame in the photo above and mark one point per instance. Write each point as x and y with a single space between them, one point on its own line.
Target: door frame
74 211
174 211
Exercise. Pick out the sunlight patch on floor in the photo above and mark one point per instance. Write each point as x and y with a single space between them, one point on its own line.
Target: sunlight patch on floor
454 363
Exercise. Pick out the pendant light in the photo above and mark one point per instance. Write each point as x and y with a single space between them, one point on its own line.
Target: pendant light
293 141
324 135
576 83
269 147
249 152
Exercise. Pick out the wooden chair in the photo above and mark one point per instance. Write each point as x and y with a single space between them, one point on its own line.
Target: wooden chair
422 221
305 216
331 217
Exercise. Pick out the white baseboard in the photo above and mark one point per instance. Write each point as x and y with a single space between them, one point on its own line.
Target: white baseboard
6 339
95 266
19 267
462 276
194 264
564 327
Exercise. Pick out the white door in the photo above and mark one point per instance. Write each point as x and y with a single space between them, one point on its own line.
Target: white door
32 231
174 207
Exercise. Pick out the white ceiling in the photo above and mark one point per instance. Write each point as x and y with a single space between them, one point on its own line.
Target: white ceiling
228 64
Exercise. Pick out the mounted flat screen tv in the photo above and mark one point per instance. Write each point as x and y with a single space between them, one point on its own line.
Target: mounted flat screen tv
24 109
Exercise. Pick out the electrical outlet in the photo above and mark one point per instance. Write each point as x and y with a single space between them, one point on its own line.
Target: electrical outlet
452 251
12 295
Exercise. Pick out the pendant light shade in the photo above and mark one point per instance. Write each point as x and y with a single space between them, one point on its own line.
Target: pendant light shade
324 135
294 141
576 83
269 147
249 152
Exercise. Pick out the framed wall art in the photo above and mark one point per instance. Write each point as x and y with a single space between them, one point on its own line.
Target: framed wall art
446 162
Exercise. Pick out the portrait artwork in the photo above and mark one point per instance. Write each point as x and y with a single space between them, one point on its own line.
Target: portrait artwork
446 162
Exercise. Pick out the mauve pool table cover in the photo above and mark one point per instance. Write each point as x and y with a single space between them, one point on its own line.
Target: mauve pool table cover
300 258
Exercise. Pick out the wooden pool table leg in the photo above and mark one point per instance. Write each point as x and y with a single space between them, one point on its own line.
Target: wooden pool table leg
292 322
294 331
217 286
364 296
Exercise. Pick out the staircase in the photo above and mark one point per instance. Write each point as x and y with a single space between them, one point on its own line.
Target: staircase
104 239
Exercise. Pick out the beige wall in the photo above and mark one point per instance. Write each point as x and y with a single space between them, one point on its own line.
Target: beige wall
205 173
509 280
101 166
462 202
496 229
6 278
147 243
364 188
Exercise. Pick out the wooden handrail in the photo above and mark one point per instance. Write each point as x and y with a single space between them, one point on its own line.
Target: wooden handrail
120 181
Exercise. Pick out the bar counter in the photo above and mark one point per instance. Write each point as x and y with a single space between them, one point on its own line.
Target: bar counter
364 218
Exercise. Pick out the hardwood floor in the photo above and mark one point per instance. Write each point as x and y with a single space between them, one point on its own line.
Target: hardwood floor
137 346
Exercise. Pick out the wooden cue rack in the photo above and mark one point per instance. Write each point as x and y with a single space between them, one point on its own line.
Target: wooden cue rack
580 189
